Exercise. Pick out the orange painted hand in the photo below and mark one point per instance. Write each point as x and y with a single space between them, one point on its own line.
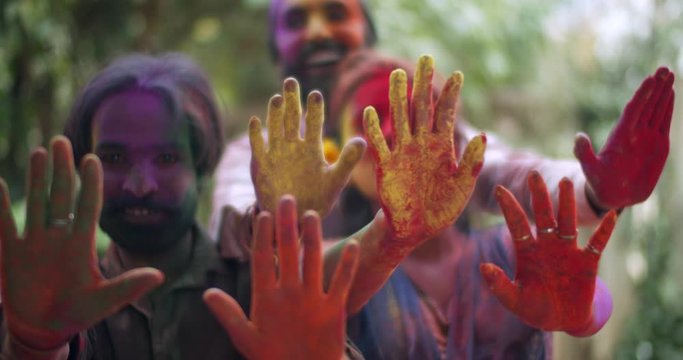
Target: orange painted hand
292 165
51 285
291 317
421 187
554 283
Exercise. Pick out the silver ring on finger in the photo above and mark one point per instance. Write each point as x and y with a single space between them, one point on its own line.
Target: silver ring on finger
546 230
63 222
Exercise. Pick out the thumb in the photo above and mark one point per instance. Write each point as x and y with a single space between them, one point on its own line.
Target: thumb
583 150
506 292
341 170
231 316
473 158
122 290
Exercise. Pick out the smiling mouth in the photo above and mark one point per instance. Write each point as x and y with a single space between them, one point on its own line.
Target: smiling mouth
142 215
323 58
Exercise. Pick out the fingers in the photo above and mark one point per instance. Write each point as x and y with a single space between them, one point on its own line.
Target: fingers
37 192
345 272
63 179
506 292
312 241
566 214
473 158
663 80
542 205
378 145
398 100
274 121
661 119
287 234
8 229
120 291
514 217
421 104
665 121
583 150
292 109
634 109
341 170
231 316
315 110
90 200
446 105
262 255
601 236
258 147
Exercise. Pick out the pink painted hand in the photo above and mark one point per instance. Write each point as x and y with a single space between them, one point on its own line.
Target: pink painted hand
421 187
291 317
554 284
51 285
626 171
292 165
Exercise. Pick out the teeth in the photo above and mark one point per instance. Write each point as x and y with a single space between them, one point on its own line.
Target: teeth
138 211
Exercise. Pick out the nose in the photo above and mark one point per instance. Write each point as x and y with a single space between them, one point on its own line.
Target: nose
140 182
318 28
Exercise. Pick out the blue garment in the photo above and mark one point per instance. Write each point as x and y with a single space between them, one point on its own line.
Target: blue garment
392 325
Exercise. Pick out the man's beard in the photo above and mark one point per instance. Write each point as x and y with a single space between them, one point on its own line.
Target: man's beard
317 74
147 239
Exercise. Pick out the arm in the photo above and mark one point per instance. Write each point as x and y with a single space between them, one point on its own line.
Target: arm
52 288
292 317
555 281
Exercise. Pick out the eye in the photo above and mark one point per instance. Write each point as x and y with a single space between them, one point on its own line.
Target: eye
112 158
168 159
295 19
336 12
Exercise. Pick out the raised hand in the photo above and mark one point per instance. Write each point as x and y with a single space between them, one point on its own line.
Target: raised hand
626 171
51 285
292 165
554 283
421 187
291 317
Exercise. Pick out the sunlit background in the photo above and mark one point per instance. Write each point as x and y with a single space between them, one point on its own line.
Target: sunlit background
536 72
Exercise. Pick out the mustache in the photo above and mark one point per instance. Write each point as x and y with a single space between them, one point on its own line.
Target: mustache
322 45
118 205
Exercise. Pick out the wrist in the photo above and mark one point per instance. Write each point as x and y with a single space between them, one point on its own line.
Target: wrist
600 314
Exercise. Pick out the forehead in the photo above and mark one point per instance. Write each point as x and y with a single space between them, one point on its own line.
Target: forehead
282 6
135 118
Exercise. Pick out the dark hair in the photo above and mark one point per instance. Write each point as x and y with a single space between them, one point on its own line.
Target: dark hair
177 80
370 30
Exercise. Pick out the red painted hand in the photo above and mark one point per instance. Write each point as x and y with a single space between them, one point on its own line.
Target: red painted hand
291 318
421 187
554 283
629 165
292 165
51 285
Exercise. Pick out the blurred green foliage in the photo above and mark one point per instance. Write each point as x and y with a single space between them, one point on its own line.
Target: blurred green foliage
535 71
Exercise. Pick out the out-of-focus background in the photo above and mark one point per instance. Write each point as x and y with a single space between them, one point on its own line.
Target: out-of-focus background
537 71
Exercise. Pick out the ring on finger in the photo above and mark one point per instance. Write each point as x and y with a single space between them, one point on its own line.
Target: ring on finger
63 222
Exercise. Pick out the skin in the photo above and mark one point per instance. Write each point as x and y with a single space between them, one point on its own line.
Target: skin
421 187
66 292
280 286
627 168
313 36
150 168
555 280
290 164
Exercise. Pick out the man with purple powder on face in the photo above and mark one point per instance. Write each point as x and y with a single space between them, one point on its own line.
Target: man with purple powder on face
154 128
